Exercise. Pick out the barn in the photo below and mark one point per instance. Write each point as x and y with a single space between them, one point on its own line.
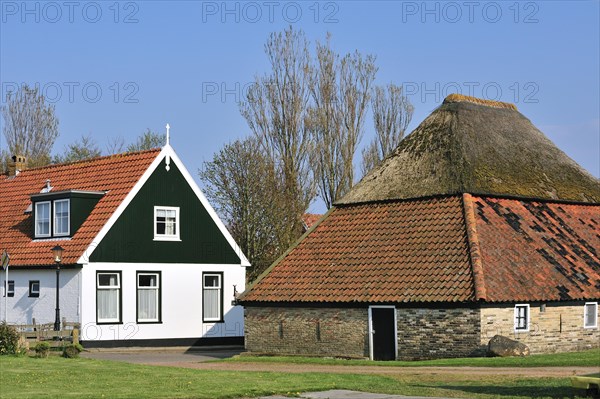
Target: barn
476 225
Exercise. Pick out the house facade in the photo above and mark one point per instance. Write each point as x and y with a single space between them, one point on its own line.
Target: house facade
476 226
146 259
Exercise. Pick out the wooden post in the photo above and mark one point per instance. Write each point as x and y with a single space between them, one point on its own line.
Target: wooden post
75 335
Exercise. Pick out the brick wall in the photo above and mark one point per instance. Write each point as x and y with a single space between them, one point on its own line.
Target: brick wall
559 328
438 333
307 331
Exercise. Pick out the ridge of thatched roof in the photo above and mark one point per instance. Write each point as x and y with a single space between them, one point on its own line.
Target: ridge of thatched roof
469 145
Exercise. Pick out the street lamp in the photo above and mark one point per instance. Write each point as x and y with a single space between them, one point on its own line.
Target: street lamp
57 252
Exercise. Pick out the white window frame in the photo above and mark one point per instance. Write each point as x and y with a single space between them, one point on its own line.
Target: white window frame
528 321
54 225
155 288
109 287
220 289
595 305
165 237
37 233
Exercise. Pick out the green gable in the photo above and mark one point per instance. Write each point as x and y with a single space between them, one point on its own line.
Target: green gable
131 238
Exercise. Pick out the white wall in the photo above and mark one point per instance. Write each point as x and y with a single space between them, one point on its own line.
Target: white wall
22 309
181 290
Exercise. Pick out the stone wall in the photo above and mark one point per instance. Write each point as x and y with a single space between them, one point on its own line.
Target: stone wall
559 328
428 333
307 331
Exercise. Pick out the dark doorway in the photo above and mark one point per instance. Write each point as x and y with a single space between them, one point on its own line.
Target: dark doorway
384 333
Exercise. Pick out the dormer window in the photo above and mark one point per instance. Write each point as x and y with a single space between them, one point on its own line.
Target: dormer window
61 217
52 216
42 219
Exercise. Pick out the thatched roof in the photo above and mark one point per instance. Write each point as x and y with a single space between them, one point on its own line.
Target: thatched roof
469 145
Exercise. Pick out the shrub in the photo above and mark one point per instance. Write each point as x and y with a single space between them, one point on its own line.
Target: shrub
72 350
9 340
42 349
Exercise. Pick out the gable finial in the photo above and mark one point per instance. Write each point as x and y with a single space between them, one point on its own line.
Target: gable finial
168 160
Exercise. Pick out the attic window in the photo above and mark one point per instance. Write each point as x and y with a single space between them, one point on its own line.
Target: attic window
166 223
61 217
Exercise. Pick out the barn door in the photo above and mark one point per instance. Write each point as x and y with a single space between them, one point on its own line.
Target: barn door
383 332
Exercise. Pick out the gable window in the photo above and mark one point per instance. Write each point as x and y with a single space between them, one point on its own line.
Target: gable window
42 219
148 297
9 288
108 298
212 297
34 288
61 217
166 223
590 315
521 317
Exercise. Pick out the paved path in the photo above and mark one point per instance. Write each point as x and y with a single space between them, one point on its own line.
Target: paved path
344 394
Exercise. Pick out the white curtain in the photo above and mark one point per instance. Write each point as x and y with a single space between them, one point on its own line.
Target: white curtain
212 298
147 304
108 304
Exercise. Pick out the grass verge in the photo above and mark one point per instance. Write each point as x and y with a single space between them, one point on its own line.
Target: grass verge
590 358
54 377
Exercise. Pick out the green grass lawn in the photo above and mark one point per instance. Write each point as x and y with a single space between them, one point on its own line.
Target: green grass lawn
25 377
590 358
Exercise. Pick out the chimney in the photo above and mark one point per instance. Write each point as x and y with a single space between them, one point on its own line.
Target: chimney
17 164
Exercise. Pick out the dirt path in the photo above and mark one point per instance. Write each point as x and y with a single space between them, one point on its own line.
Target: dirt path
306 368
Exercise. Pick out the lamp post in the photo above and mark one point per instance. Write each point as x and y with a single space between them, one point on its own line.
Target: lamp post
57 252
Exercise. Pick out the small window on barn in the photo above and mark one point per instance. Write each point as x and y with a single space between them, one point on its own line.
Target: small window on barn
522 317
590 315
34 288
166 223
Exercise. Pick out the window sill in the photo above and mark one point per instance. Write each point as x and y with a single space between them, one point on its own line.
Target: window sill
149 322
213 321
101 323
167 239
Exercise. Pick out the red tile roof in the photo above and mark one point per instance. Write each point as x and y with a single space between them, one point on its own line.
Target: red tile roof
444 249
115 174
381 252
536 250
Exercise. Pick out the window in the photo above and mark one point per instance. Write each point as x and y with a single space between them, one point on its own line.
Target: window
108 300
42 219
521 317
148 297
9 289
590 315
212 298
34 288
166 223
61 217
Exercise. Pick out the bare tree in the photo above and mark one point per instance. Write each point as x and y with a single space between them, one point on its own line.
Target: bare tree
115 145
276 110
340 90
30 125
84 148
392 113
147 141
248 193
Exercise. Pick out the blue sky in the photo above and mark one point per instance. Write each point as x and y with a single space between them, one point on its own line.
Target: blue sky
116 68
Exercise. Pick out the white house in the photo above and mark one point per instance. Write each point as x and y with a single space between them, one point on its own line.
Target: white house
146 259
